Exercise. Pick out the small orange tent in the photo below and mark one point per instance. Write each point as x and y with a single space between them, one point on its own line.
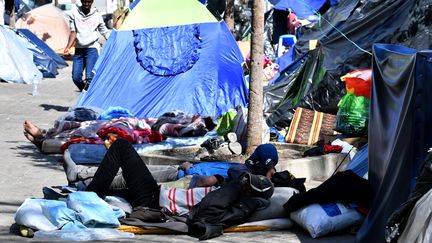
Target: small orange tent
48 23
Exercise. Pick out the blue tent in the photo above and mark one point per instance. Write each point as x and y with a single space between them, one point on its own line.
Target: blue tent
60 62
16 62
43 57
195 68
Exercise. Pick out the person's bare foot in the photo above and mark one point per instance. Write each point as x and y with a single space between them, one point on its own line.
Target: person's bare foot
32 130
32 139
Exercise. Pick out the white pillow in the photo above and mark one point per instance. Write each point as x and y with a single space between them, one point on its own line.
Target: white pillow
320 220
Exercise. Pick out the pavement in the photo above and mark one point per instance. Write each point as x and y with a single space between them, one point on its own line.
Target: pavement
24 170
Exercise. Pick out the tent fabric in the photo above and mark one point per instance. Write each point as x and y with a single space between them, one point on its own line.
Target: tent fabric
168 51
60 62
164 13
16 65
370 23
49 24
399 124
302 8
43 62
213 85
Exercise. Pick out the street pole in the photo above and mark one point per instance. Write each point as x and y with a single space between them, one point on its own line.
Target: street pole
255 112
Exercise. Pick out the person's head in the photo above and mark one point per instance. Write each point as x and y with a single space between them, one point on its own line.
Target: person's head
86 6
263 160
256 186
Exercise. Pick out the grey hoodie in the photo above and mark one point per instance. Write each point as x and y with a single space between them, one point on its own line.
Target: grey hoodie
87 27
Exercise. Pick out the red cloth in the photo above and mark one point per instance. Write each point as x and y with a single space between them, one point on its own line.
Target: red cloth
292 23
125 133
148 136
332 149
80 140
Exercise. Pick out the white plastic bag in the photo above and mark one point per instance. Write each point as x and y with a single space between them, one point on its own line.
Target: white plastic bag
179 201
320 220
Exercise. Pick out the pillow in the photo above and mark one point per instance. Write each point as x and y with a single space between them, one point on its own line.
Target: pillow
275 210
321 219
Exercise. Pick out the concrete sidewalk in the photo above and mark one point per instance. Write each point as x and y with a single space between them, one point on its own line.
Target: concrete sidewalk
24 170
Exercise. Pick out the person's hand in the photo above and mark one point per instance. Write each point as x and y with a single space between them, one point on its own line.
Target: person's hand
66 51
270 172
185 165
206 181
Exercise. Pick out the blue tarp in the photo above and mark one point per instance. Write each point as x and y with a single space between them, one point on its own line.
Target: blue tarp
302 8
211 86
61 63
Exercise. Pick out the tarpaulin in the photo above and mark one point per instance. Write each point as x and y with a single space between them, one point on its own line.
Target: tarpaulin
345 36
371 22
399 130
279 93
302 8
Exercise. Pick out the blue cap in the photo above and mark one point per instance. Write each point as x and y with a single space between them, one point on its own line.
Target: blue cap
264 156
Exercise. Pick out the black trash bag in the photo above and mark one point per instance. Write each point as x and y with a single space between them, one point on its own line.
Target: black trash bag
307 85
397 221
325 96
278 109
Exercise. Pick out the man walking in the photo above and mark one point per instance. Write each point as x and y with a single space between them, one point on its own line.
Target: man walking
85 24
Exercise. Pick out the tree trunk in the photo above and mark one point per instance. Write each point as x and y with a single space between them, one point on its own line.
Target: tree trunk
229 15
255 113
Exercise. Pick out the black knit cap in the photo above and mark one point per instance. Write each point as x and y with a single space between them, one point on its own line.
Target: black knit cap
260 186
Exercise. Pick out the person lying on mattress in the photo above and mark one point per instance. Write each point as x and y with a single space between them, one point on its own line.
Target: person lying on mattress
102 129
231 204
187 175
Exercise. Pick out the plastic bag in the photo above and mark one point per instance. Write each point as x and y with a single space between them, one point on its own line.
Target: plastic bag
226 122
358 82
321 219
353 115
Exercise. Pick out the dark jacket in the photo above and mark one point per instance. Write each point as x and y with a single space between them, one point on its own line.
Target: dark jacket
222 208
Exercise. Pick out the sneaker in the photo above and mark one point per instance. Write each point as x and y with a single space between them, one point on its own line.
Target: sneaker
51 194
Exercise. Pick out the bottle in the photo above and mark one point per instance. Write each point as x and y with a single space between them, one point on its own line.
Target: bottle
35 89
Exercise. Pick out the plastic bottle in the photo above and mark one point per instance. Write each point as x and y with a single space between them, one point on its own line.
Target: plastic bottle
35 89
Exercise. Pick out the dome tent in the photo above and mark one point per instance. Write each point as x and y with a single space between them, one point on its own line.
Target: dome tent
169 55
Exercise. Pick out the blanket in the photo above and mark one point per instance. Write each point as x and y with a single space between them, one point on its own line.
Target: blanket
81 210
